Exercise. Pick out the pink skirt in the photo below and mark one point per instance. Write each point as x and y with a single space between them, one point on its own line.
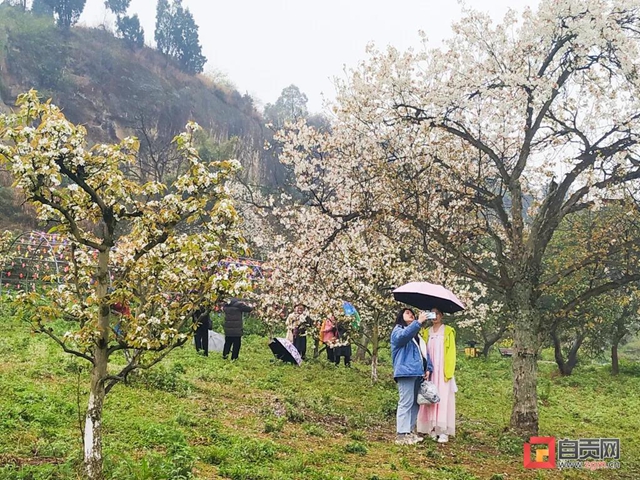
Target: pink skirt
439 417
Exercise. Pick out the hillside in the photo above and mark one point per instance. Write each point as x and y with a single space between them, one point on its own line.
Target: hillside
116 92
256 419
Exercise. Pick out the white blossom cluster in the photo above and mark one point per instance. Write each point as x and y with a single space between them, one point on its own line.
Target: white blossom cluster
141 257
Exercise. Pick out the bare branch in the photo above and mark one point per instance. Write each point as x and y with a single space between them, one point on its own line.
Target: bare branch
113 380
50 334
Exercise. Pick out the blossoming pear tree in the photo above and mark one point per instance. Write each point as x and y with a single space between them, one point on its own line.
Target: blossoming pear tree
6 237
322 254
329 251
356 266
143 256
484 146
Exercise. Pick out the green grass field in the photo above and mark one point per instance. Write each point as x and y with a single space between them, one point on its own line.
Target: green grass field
196 417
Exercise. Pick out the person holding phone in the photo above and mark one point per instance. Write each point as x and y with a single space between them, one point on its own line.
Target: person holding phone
411 363
439 419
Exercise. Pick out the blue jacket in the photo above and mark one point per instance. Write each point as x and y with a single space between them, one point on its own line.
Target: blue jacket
405 354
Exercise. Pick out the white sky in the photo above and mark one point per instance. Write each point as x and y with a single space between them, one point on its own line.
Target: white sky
264 46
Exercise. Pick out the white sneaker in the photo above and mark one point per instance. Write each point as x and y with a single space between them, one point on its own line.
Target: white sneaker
405 439
417 438
443 438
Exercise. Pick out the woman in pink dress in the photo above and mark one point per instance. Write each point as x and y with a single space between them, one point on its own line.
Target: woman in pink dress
439 419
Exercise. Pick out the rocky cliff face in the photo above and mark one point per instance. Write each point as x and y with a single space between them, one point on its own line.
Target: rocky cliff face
116 92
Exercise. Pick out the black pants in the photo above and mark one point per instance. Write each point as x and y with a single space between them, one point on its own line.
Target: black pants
330 354
347 360
228 343
342 352
202 340
301 345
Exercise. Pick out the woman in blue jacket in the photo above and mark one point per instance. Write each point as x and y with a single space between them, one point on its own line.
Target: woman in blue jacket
411 364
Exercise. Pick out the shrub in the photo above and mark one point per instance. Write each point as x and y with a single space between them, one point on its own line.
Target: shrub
274 424
355 447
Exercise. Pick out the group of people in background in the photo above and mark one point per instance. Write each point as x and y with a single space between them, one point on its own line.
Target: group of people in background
233 327
418 354
333 334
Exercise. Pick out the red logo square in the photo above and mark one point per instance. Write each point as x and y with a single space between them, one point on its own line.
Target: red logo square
549 452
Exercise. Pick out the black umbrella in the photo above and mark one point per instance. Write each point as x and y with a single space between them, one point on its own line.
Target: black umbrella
284 350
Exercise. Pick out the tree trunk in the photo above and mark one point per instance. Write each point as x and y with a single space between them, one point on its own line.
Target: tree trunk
557 352
490 340
93 420
316 347
619 334
361 351
524 415
375 345
572 360
566 367
615 367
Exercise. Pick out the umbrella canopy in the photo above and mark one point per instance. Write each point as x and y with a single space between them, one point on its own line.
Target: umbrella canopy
350 310
216 341
284 350
426 296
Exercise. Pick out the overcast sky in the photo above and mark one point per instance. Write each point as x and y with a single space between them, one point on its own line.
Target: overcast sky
264 46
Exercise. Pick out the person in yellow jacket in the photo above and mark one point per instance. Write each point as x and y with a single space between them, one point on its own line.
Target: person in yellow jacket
439 419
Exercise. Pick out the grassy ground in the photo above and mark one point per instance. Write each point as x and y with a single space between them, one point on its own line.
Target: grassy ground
196 417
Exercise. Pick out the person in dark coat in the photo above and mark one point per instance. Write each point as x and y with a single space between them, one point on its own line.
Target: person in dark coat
297 323
342 345
202 320
233 326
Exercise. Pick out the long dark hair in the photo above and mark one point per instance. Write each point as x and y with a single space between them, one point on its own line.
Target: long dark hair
400 317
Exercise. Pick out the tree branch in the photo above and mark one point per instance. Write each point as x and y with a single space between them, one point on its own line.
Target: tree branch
49 332
75 230
589 260
599 290
113 380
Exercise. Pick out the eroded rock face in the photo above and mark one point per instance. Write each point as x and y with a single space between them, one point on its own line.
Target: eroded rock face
116 92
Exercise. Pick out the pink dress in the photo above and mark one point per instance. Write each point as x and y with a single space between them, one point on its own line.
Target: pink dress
439 417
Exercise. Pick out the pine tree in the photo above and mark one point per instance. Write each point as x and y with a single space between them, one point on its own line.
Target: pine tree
41 8
67 12
290 106
189 50
162 34
119 7
130 30
176 35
